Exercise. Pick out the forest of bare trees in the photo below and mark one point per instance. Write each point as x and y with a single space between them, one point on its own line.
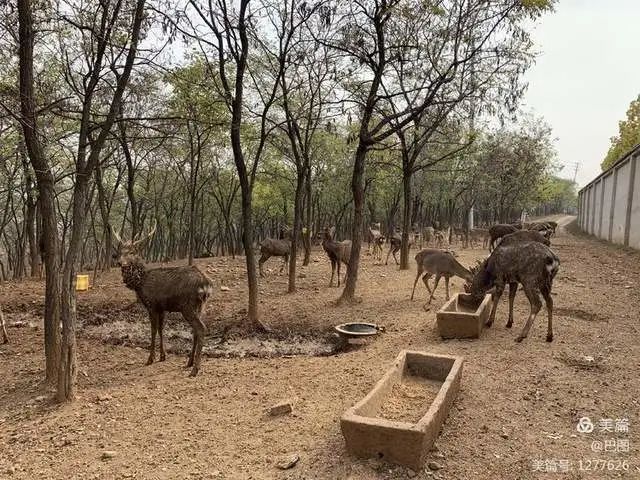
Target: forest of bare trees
228 122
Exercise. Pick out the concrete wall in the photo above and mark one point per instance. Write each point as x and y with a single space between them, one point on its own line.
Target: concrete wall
609 206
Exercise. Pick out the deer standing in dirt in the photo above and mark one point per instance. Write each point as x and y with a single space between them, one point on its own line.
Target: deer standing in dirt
166 289
395 244
273 247
5 337
375 238
531 264
338 252
440 263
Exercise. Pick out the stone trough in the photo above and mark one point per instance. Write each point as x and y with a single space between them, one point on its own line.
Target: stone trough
457 319
368 434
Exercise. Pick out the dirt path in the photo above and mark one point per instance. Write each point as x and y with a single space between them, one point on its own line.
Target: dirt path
518 407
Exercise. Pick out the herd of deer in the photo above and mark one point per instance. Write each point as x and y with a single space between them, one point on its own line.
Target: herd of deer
520 254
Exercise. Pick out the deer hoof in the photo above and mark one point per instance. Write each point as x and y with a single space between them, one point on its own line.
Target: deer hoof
489 323
149 361
163 357
550 337
509 324
194 372
519 339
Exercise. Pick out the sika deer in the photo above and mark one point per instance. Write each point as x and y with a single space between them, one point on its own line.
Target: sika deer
375 237
523 236
441 264
498 231
531 264
338 252
166 289
5 338
395 243
271 247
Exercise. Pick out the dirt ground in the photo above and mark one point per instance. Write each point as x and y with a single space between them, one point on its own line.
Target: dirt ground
516 413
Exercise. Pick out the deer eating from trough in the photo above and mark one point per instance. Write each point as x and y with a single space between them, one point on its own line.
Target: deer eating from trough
531 264
440 263
182 289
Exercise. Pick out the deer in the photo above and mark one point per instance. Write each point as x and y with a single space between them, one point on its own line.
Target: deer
521 236
498 231
479 235
182 289
338 252
5 337
429 234
272 247
531 264
375 237
440 263
395 243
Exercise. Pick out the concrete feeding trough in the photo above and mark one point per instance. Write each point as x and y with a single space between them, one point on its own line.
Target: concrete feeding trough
378 426
460 318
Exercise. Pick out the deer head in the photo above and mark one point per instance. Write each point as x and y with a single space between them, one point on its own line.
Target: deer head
129 251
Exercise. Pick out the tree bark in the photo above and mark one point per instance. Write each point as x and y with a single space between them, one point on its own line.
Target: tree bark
406 221
46 188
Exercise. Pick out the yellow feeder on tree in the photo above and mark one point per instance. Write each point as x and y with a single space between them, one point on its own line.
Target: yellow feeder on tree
82 283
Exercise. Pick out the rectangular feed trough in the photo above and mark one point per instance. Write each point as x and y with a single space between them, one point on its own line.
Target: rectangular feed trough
368 434
456 320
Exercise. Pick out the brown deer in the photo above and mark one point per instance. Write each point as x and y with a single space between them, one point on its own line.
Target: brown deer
522 236
166 289
395 243
498 231
5 337
272 247
531 264
440 263
375 238
338 252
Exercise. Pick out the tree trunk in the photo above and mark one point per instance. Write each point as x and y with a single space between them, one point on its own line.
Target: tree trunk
46 190
309 217
297 228
357 188
406 221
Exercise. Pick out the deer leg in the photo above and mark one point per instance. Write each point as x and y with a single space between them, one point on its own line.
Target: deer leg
153 317
394 256
263 258
513 288
333 271
388 253
199 330
163 354
495 297
192 352
534 300
435 285
5 337
339 263
446 284
416 281
549 302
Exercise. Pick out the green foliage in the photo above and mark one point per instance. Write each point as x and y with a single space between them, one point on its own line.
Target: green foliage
628 135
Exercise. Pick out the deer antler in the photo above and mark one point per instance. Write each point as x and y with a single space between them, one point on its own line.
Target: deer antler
115 234
149 235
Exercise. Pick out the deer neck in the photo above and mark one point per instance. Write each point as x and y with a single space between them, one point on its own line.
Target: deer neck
133 275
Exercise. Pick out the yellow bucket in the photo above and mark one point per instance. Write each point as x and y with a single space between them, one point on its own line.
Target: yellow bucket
82 282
